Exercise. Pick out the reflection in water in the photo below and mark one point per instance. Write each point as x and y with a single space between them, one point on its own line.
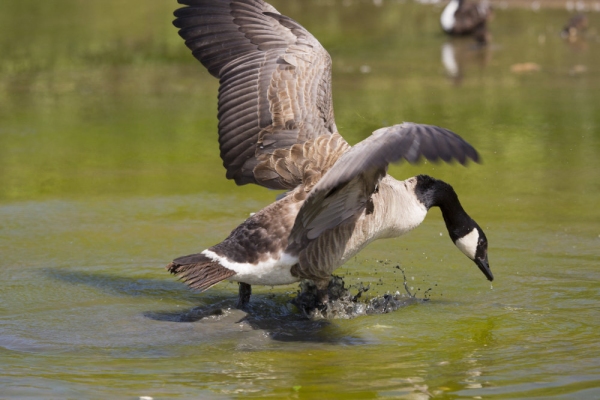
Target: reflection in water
116 285
273 314
459 55
450 63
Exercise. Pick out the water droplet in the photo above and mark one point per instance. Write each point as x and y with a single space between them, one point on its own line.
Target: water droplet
491 286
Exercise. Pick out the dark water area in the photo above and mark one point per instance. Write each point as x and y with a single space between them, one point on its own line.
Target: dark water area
109 168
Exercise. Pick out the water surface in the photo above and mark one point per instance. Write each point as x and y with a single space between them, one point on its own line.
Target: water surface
109 168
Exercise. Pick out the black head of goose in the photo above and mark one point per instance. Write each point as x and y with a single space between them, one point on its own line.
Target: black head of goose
276 129
461 18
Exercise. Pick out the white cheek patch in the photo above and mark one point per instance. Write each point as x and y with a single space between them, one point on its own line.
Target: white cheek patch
468 243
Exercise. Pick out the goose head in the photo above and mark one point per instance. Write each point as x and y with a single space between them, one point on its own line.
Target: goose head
465 233
474 245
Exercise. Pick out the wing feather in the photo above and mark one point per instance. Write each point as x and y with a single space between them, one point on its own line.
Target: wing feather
275 83
341 195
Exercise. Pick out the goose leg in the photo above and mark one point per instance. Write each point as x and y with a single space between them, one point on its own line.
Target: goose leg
244 293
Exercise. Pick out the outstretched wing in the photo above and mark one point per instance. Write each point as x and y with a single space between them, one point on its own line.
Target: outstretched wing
343 192
275 83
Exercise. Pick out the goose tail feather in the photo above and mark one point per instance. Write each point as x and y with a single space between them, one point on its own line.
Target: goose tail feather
198 271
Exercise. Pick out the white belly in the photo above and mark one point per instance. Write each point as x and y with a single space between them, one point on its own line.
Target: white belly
275 271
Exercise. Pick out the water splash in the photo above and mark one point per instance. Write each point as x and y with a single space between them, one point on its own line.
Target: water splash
345 305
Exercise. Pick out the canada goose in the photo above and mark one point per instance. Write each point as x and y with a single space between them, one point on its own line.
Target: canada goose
276 129
460 18
575 27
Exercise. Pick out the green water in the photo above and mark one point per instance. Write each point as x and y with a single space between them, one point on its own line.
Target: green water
109 168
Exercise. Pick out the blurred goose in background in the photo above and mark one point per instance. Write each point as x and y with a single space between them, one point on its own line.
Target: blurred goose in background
575 28
277 130
460 18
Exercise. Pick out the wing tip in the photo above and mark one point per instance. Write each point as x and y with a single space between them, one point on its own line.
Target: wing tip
463 152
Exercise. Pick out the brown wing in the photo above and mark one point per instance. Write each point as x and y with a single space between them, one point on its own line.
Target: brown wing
343 192
275 83
470 17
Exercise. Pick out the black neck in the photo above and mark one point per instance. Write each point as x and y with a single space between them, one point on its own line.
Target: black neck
435 193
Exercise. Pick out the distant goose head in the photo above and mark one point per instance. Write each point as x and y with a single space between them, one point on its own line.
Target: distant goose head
465 233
